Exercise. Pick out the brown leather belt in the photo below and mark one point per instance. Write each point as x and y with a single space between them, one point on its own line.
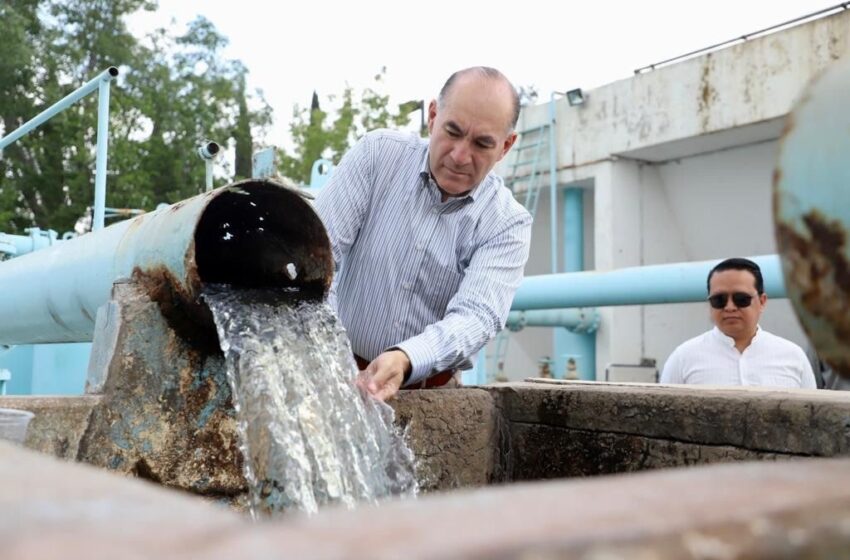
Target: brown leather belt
436 380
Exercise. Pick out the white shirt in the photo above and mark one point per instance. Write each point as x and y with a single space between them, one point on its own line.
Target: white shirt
433 278
712 359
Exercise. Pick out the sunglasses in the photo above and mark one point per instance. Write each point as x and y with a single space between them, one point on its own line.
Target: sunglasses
740 299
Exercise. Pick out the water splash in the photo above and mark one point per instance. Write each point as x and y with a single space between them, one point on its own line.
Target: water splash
308 435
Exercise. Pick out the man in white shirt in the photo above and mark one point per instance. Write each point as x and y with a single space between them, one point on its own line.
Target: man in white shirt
737 351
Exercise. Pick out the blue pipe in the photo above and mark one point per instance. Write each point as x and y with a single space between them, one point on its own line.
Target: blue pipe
573 230
93 84
17 245
320 173
102 143
574 320
665 283
553 186
574 348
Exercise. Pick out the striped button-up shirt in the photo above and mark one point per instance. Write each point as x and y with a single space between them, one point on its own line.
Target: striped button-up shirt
712 359
434 279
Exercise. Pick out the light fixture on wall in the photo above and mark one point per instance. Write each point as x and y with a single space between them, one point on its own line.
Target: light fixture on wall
575 97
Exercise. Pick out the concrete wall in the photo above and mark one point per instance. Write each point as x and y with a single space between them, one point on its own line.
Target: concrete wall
524 431
472 438
569 429
678 165
51 509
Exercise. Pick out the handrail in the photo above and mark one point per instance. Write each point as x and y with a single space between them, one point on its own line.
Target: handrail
100 83
745 37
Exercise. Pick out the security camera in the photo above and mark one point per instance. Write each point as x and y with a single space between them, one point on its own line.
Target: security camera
208 150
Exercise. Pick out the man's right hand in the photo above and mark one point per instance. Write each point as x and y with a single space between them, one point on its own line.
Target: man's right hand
383 377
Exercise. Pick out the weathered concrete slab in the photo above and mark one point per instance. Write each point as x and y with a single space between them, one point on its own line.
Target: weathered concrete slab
455 435
800 509
799 422
58 424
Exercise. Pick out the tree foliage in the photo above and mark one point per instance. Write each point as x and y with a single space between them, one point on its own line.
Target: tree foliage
173 92
320 134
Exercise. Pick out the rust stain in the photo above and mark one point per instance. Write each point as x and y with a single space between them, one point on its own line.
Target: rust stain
707 93
190 318
777 179
788 125
819 272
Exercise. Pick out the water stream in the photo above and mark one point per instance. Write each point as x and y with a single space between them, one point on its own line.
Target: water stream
308 435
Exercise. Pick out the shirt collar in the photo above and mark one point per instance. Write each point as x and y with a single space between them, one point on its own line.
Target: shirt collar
428 181
728 340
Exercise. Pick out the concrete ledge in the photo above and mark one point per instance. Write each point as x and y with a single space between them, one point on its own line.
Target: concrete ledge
59 422
797 422
50 508
455 435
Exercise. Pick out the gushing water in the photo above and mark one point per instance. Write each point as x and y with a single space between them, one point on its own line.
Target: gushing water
308 435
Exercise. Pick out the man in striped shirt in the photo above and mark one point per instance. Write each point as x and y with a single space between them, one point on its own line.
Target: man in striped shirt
738 351
429 245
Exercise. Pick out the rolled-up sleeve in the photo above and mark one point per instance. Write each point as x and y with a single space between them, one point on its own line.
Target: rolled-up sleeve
479 309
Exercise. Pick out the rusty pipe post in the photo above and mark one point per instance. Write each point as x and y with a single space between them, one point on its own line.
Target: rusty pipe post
251 234
811 202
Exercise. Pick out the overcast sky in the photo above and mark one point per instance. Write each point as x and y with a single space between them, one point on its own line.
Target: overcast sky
292 48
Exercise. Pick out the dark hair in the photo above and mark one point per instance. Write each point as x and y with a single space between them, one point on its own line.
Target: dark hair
738 263
487 72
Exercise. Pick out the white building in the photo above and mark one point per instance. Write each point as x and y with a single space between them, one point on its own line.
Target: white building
676 165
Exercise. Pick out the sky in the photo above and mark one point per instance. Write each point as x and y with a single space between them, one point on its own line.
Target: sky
293 48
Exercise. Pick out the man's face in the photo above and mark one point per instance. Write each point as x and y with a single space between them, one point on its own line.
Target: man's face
470 133
733 321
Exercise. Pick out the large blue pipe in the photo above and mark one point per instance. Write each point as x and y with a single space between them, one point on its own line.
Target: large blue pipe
664 283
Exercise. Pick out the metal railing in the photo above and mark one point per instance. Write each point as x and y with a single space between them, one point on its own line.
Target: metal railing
747 36
101 84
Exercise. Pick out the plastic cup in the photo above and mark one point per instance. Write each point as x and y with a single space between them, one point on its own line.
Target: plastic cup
14 423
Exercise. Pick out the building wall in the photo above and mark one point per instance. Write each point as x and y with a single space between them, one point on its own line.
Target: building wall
678 167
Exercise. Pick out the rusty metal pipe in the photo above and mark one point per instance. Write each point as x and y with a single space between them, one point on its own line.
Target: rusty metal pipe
251 234
811 202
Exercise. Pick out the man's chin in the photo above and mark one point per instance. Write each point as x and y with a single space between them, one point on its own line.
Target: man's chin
454 186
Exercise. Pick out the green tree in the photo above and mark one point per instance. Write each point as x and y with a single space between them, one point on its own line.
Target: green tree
318 134
173 92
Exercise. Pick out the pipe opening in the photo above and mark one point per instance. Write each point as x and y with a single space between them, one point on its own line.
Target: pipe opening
258 234
252 235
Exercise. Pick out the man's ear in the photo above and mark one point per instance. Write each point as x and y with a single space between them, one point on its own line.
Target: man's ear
506 147
432 115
